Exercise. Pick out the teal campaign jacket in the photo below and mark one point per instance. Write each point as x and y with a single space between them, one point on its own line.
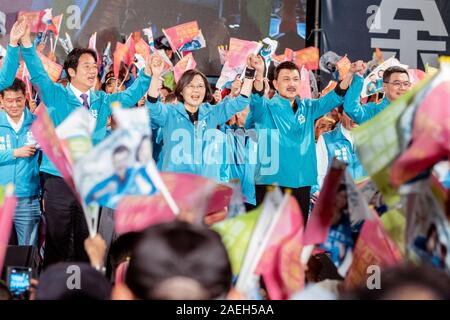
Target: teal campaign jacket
61 101
286 146
338 146
352 106
9 67
23 172
194 149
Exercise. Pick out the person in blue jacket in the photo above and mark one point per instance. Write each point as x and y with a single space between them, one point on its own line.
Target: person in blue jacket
338 143
189 127
66 225
285 126
396 83
19 161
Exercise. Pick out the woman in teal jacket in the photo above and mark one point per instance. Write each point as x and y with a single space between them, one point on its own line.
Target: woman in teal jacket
19 161
189 127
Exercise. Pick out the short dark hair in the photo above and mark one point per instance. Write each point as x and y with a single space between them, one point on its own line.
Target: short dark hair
18 85
120 149
179 249
186 78
74 56
285 65
391 70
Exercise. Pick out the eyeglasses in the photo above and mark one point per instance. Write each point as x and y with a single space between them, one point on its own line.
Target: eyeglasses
199 87
398 84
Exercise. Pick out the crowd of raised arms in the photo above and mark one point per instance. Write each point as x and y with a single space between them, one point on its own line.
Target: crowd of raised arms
256 130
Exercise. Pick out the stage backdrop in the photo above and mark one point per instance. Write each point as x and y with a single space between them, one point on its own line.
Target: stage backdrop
416 30
219 19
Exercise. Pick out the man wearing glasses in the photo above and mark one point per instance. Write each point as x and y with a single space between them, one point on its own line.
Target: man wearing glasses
396 82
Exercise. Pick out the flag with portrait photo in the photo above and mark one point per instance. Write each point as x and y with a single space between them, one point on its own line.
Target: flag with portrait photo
181 34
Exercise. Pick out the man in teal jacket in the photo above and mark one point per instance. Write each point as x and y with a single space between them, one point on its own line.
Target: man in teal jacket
285 126
19 161
396 83
64 215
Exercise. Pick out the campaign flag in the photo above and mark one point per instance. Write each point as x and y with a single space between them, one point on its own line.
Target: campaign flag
66 43
195 197
131 44
93 46
197 43
149 33
321 217
430 130
120 55
343 67
239 51
373 248
45 134
308 57
106 62
55 25
7 209
373 83
181 34
236 233
305 84
416 75
330 87
185 64
142 48
280 263
34 20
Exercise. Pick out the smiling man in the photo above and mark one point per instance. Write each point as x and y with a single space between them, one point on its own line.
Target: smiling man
396 83
19 161
286 123
66 225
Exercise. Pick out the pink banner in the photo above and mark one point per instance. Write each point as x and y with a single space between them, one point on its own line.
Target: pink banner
185 64
305 84
431 136
45 134
373 248
181 34
280 264
7 209
190 193
239 51
322 214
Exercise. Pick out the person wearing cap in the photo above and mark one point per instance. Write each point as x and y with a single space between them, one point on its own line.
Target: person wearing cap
176 261
396 82
65 221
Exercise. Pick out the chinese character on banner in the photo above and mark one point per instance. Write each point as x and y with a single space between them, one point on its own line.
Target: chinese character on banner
181 34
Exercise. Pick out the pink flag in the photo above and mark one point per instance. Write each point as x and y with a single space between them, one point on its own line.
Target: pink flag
239 50
280 263
55 25
7 208
44 132
34 20
142 48
308 57
431 136
373 247
185 64
416 75
181 34
305 84
119 55
190 192
53 69
322 215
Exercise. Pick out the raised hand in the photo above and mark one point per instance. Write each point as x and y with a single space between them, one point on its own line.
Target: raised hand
17 32
257 63
155 66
